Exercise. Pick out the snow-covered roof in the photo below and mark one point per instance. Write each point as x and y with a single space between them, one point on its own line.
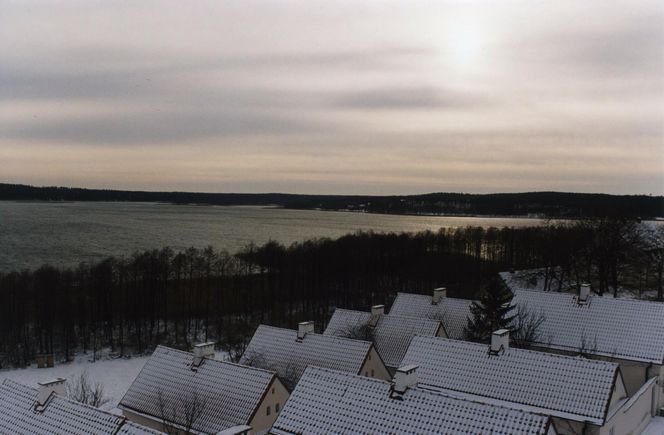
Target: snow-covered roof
452 312
59 415
332 402
621 328
391 334
228 393
279 349
567 387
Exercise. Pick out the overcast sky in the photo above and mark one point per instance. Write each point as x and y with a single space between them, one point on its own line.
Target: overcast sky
334 97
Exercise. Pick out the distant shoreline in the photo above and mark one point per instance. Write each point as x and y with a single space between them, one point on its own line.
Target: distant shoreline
535 205
280 207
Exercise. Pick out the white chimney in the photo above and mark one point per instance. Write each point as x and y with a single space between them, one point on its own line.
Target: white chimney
438 294
584 293
203 350
303 328
500 340
376 312
55 386
404 378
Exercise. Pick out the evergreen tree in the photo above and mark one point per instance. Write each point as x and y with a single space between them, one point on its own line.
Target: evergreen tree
493 311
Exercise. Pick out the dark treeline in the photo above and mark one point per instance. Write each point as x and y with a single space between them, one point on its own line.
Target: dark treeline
162 296
548 204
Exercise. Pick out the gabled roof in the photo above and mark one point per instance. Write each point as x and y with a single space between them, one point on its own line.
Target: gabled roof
278 349
59 415
567 387
392 334
230 393
452 312
331 402
621 328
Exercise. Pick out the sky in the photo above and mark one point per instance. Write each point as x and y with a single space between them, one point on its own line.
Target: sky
346 97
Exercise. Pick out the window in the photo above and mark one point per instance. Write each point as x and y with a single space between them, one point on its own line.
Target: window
372 373
366 374
369 357
269 411
276 408
272 390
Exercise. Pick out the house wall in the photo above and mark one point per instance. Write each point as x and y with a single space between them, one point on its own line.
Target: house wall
276 394
373 367
634 415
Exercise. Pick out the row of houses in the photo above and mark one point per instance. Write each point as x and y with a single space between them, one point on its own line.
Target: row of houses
410 371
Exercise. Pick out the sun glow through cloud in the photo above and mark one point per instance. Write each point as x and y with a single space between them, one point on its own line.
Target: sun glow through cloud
350 97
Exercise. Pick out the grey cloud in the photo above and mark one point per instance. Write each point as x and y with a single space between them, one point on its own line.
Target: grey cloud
145 129
409 98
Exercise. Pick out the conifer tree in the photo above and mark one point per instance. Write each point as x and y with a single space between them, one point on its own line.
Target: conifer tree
493 311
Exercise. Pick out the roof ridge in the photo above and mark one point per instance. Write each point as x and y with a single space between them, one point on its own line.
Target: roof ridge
593 295
518 349
327 337
214 360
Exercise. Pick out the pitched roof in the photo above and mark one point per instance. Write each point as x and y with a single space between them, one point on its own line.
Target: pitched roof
327 401
392 334
622 328
60 415
278 349
568 387
452 312
229 392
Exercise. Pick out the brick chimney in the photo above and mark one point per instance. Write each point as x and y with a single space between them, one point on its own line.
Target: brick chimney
584 293
203 350
376 312
404 378
55 386
500 341
304 328
438 294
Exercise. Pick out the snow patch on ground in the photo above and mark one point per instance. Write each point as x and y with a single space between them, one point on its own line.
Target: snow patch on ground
656 427
115 374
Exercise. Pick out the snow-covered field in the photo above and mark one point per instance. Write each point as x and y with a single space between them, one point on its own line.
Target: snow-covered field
115 374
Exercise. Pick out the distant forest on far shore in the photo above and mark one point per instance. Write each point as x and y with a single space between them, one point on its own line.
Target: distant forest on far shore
535 204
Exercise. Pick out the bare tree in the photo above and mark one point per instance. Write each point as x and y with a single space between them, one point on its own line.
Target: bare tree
586 349
180 414
526 326
359 331
84 390
288 373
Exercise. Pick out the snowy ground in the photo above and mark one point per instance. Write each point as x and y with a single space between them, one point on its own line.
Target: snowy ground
656 427
116 374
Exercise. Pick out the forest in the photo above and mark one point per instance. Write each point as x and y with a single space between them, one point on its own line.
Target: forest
130 304
540 204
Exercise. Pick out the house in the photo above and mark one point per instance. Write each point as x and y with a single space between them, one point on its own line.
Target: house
192 391
452 312
390 334
289 352
332 402
47 410
582 396
627 331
